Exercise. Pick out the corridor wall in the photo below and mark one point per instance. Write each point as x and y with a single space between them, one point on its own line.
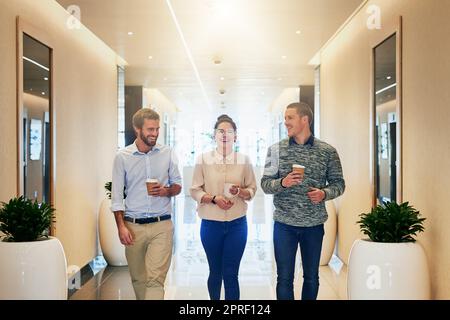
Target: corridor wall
85 90
345 97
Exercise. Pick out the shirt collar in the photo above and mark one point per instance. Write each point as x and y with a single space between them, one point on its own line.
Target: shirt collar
219 157
310 141
135 150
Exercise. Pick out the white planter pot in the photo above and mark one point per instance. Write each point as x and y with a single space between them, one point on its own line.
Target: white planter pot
388 271
329 239
113 250
33 270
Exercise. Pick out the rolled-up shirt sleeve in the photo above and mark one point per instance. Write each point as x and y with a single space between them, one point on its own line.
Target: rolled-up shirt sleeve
118 183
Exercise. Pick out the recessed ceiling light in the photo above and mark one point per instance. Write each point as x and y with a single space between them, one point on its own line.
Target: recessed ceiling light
150 57
43 93
222 78
389 77
46 79
130 33
283 57
298 31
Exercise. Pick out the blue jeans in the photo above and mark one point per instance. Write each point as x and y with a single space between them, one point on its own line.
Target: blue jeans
224 244
286 239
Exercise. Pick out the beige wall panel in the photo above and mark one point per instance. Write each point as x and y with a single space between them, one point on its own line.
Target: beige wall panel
85 105
345 72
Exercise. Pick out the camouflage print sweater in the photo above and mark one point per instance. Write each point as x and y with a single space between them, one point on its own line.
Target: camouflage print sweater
322 170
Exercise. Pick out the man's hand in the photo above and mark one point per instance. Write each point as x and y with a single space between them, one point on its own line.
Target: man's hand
292 179
223 203
159 191
125 236
316 195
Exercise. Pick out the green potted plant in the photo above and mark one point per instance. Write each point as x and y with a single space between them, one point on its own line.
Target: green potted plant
113 250
392 222
36 267
24 220
390 264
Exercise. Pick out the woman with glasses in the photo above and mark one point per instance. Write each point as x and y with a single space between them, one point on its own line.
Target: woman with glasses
222 184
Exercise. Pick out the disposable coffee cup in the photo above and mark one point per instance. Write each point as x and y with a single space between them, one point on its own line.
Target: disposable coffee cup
151 183
226 190
297 168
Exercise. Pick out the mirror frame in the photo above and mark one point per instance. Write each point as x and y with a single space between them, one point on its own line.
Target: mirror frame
384 34
23 27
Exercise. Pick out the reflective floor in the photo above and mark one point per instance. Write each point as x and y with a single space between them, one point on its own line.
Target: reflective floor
188 273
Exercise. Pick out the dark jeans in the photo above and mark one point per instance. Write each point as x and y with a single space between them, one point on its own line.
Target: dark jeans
224 244
286 239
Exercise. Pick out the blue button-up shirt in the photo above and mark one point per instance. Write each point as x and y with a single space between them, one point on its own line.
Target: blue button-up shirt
131 169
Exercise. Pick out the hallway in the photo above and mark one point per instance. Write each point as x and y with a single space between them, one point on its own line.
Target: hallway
188 273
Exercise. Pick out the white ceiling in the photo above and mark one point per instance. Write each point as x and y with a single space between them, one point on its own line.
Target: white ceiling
249 36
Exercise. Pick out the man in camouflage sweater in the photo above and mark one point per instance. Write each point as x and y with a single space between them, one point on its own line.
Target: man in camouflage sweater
299 200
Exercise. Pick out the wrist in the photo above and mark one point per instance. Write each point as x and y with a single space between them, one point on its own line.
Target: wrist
167 192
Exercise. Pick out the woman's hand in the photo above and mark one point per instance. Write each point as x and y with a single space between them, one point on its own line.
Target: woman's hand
207 198
234 190
223 203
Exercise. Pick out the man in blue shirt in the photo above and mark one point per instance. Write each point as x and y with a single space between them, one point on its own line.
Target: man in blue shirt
143 218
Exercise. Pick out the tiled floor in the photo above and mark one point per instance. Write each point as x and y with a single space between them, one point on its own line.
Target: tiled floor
188 273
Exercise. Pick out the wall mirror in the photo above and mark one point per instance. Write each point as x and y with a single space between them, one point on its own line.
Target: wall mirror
35 134
387 119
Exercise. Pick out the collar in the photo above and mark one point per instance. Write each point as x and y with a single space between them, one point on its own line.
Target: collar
219 157
310 141
134 149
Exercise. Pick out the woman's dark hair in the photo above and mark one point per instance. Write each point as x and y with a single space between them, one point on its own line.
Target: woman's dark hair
225 118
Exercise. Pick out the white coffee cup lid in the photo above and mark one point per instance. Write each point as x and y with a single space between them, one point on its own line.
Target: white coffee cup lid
152 180
297 166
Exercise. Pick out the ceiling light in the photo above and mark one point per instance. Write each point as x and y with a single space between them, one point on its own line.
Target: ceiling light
222 78
43 93
389 77
386 88
150 57
298 32
46 79
283 57
189 54
35 63
130 33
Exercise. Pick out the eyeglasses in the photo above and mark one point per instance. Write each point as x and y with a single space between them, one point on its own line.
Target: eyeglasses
228 132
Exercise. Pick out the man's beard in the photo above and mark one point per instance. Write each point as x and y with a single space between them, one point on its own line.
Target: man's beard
146 141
